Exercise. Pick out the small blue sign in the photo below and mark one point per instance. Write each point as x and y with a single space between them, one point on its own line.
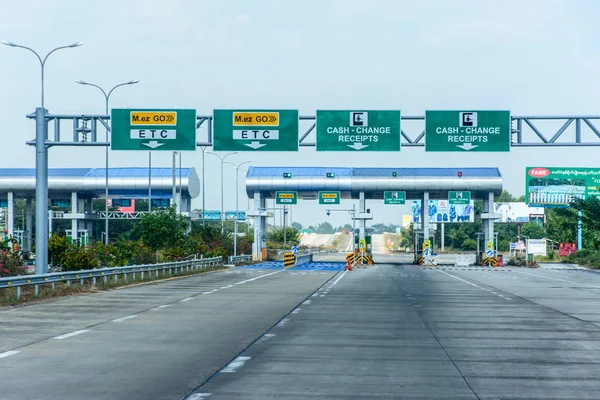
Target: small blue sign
427 252
295 250
489 253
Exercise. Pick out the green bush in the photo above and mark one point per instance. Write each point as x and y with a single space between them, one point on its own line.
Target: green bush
11 264
57 247
469 244
77 258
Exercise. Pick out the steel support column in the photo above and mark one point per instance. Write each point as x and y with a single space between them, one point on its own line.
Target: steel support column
10 218
425 216
29 224
74 224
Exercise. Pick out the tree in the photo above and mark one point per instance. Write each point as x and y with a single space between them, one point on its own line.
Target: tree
505 197
325 228
533 230
292 236
162 229
297 226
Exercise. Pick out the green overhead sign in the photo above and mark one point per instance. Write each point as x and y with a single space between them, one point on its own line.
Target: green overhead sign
459 197
153 129
467 131
255 130
329 197
394 197
286 197
358 130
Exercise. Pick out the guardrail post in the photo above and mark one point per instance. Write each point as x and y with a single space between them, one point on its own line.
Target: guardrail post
69 283
105 279
94 281
53 286
133 275
116 277
81 281
142 274
18 292
36 289
157 272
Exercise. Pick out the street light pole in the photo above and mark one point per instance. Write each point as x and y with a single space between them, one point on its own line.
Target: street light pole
222 161
106 98
237 208
41 168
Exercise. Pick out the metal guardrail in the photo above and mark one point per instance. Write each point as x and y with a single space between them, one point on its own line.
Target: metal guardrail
105 273
244 258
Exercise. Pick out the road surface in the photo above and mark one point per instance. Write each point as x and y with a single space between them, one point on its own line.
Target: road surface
390 331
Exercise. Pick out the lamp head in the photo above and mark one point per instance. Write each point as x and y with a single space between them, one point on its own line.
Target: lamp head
6 42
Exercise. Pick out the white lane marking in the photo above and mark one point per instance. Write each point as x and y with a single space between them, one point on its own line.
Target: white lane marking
472 284
160 307
223 287
124 318
70 334
558 279
283 322
307 302
340 278
257 277
186 299
212 291
199 396
322 295
236 364
9 353
269 335
296 311
228 286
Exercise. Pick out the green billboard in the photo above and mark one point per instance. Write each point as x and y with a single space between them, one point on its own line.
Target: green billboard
559 186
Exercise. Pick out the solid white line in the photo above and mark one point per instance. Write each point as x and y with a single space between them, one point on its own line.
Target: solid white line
160 307
9 353
68 335
558 279
338 279
236 364
124 318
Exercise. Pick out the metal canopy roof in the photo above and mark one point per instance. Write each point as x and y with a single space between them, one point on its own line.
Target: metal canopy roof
308 181
89 182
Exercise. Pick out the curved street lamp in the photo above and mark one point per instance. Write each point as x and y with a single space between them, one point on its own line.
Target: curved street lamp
237 208
222 161
106 98
41 167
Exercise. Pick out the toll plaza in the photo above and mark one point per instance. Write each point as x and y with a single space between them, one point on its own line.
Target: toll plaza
328 185
76 188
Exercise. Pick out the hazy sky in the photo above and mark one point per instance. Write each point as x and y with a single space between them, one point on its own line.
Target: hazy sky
530 57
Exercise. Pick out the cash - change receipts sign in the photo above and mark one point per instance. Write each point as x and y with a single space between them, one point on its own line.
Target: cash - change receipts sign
467 130
153 129
358 130
264 130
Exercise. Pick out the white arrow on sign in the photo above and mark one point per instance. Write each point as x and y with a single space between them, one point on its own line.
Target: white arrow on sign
358 146
153 144
467 146
255 145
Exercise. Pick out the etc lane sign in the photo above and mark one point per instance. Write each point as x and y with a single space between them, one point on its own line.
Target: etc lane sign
358 130
459 197
329 197
256 130
286 197
394 197
467 130
153 129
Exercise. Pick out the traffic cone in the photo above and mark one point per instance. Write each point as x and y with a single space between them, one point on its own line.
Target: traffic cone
348 266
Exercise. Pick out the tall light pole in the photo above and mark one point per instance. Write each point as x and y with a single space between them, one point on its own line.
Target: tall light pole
106 98
203 148
237 208
41 169
222 161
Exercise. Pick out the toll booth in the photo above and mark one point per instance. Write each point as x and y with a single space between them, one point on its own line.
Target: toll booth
83 238
487 252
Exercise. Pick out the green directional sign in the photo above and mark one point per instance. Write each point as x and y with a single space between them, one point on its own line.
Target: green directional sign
329 197
286 197
255 130
358 130
394 197
153 129
459 197
467 131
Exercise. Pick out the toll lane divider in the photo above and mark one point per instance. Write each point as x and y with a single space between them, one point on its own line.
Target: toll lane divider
105 273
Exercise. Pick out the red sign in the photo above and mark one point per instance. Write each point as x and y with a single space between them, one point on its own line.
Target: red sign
566 249
539 172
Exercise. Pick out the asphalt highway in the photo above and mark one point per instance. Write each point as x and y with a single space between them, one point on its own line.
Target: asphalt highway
389 331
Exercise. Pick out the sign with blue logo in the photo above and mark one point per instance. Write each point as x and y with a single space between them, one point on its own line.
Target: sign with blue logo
295 250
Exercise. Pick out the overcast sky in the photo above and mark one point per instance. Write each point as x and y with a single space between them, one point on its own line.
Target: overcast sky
530 57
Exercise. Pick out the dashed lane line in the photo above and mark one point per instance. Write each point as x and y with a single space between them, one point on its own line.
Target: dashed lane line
474 285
